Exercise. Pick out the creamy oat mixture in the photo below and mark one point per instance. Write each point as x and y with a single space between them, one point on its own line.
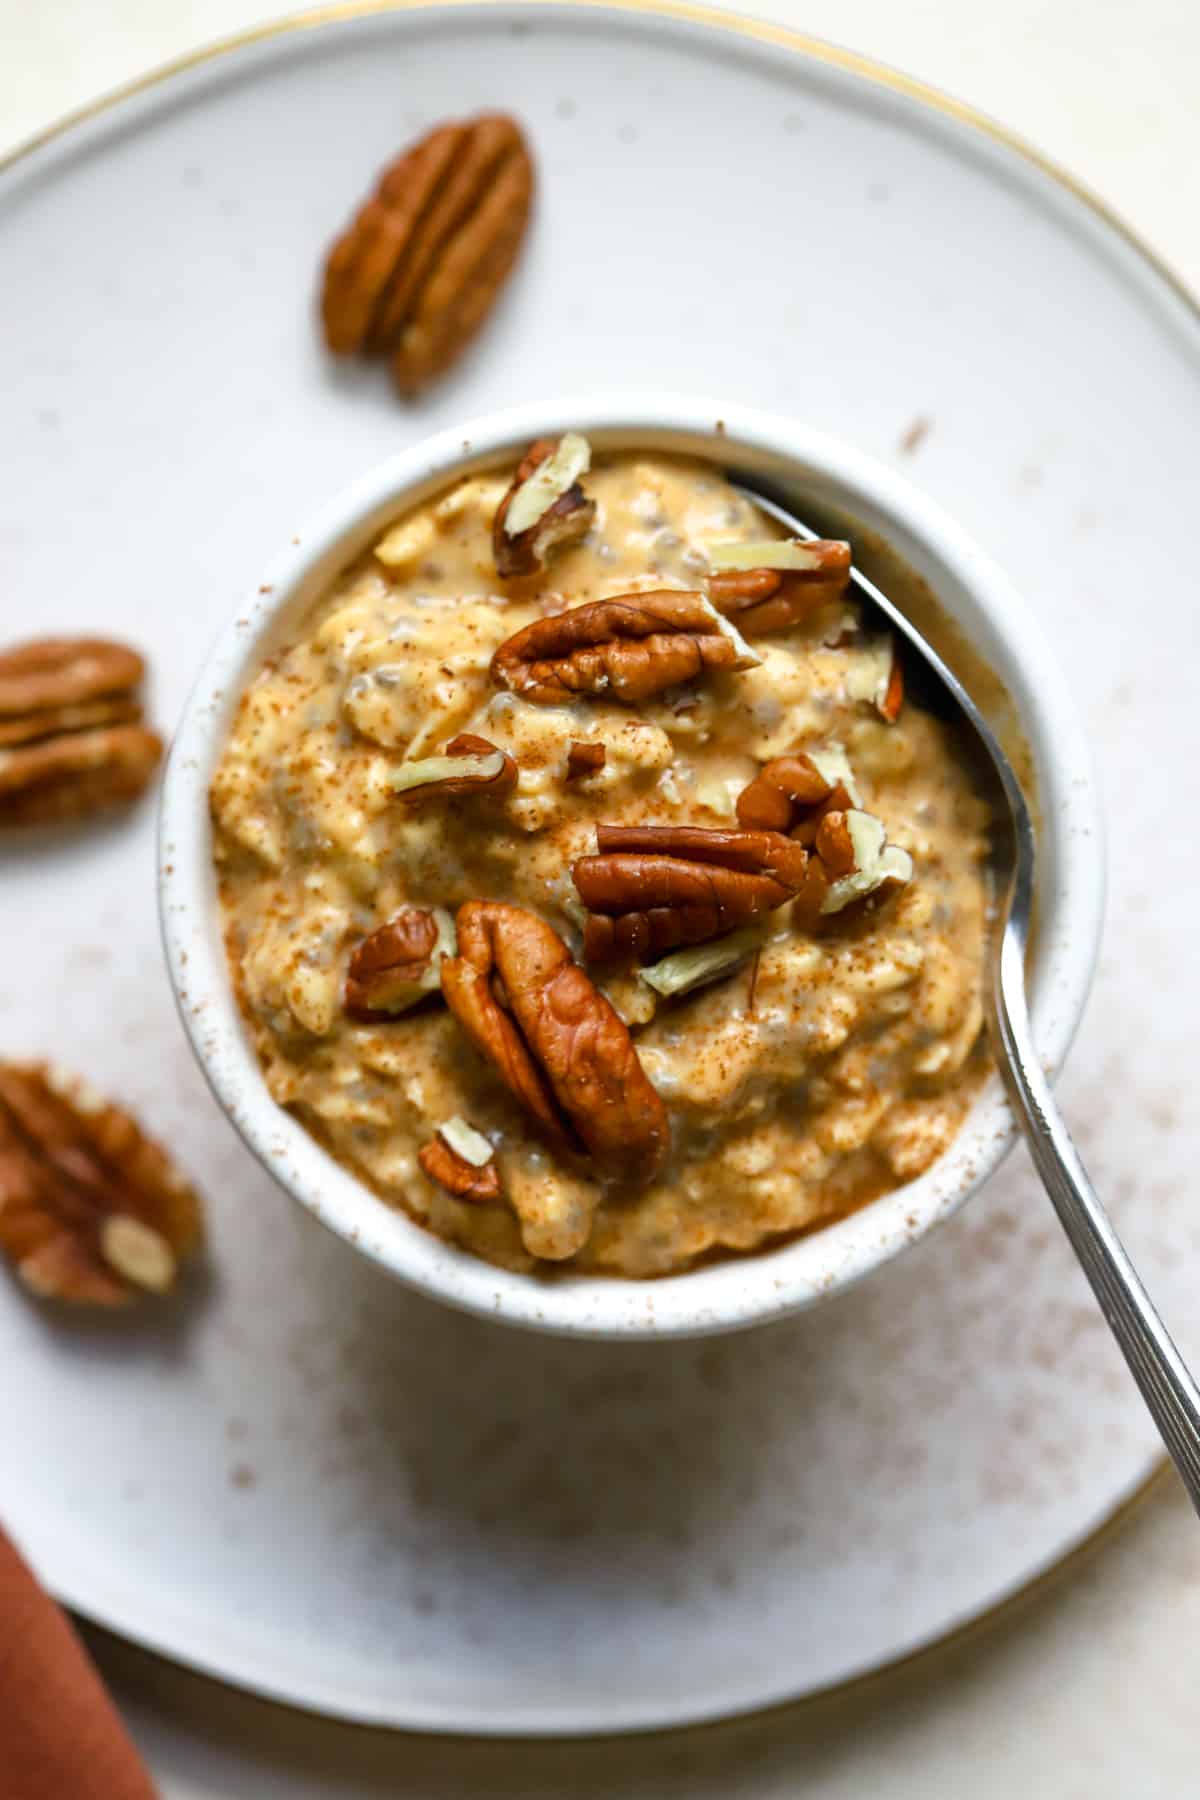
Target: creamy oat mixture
831 1056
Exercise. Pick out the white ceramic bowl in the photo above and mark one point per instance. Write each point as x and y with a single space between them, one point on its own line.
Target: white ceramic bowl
744 1290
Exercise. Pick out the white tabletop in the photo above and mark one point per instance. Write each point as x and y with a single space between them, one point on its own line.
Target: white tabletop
1085 1690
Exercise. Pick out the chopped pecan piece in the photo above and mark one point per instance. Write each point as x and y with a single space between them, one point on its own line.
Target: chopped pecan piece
420 266
851 859
70 738
90 1210
630 648
654 887
807 828
860 858
762 600
399 965
462 1161
557 1043
794 793
76 773
700 964
545 509
781 793
876 676
468 765
585 759
834 845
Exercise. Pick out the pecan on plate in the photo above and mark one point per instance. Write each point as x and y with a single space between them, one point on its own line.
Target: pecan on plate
467 765
42 680
654 887
421 264
762 598
399 965
55 720
851 859
461 1160
555 1040
71 741
76 774
91 1211
629 647
545 509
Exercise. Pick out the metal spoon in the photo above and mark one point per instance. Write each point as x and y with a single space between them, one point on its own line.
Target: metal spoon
1154 1362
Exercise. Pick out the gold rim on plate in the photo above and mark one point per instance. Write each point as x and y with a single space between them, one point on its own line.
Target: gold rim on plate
819 49
923 94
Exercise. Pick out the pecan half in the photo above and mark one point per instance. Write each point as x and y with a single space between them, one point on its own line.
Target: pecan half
91 1211
417 271
585 759
53 721
763 600
628 648
557 1043
76 773
51 674
399 965
460 1160
654 887
70 738
561 511
468 765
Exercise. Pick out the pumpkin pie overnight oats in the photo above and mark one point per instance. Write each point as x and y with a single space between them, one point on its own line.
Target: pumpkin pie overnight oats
590 890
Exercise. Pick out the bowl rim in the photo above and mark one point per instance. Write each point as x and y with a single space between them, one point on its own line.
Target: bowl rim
739 1291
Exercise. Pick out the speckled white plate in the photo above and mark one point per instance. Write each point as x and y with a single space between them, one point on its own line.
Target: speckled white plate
304 1478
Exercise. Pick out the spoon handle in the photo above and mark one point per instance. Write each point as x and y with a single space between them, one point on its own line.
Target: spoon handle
1154 1362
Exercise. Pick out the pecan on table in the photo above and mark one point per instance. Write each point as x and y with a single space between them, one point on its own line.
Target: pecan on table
71 741
557 1043
652 888
468 765
629 647
422 263
763 600
399 965
545 509
91 1211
